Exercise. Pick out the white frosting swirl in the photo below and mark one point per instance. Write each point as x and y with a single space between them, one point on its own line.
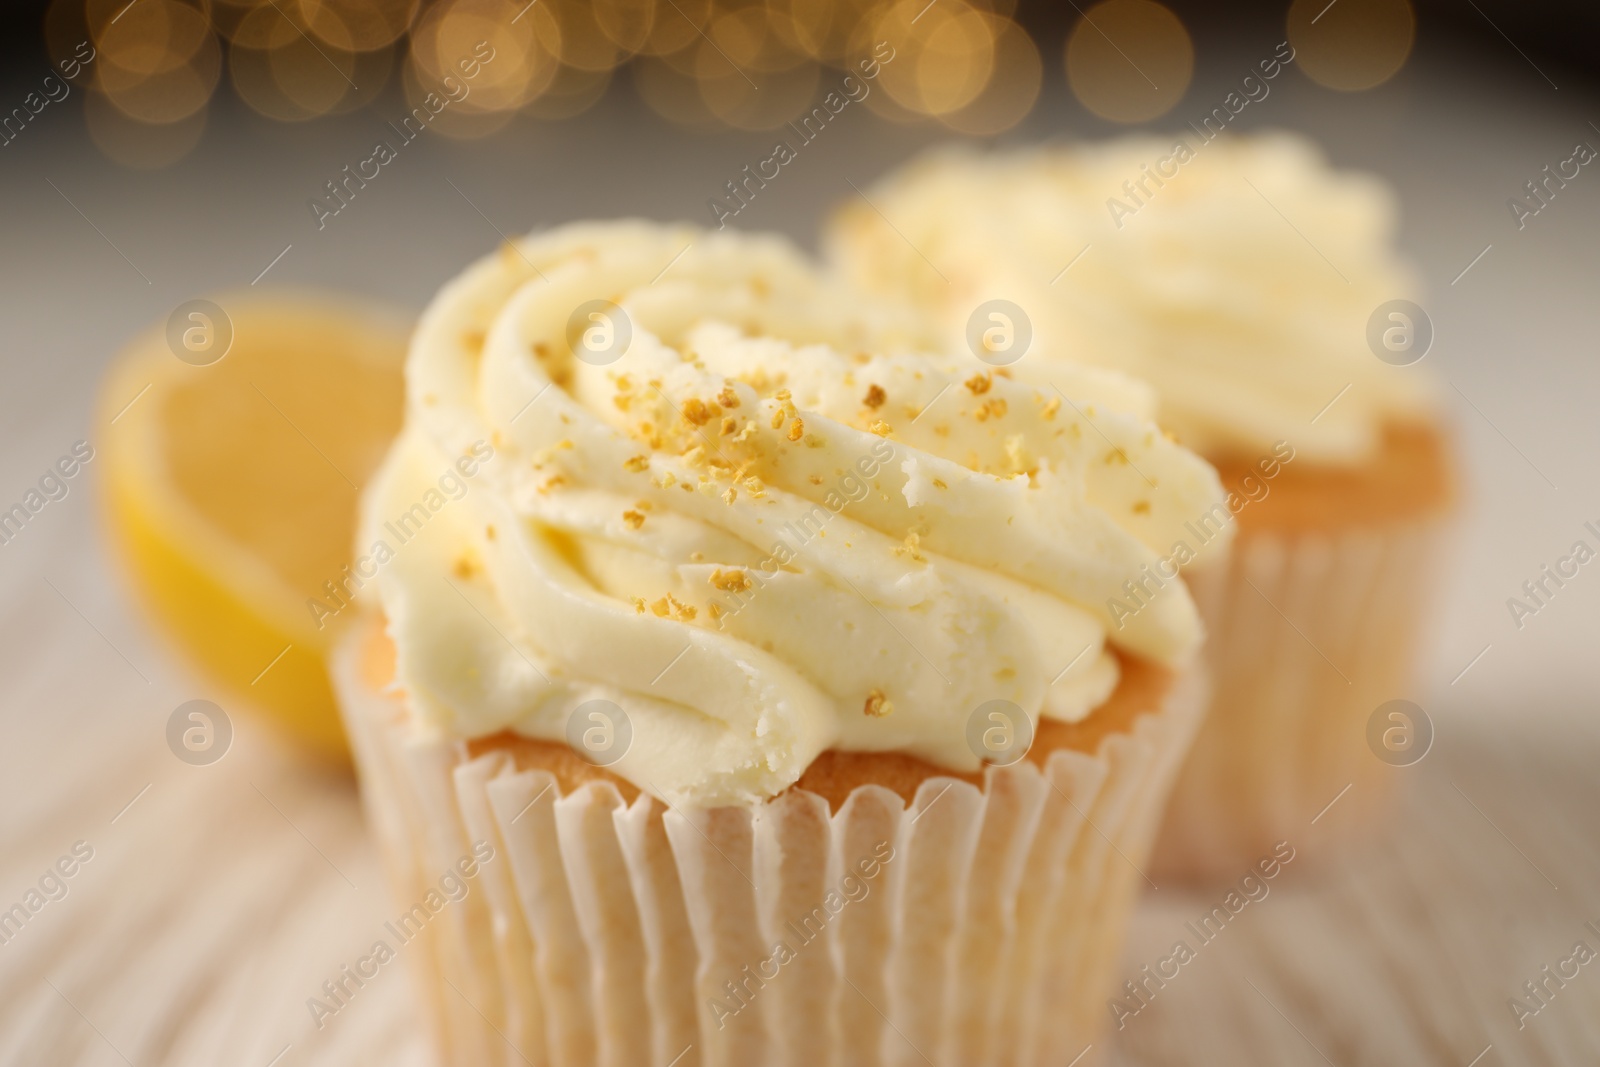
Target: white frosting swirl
769 528
1236 276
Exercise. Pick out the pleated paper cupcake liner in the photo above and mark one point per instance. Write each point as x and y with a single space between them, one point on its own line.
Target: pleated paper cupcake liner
974 926
1307 636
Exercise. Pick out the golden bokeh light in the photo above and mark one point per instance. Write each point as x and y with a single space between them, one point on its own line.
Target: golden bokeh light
429 107
944 54
747 37
168 96
626 22
315 75
65 29
282 73
677 25
263 27
956 62
571 93
686 60
159 63
885 106
583 43
373 68
140 145
476 64
747 76
153 37
226 15
1354 44
671 93
820 29
358 25
1011 93
498 54
1129 60
782 95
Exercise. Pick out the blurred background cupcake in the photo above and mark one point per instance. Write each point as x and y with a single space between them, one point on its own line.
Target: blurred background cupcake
717 621
1259 292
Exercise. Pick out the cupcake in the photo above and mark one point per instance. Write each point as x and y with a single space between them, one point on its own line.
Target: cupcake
1259 293
736 684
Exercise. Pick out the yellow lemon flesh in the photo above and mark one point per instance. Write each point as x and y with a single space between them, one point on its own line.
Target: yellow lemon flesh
231 485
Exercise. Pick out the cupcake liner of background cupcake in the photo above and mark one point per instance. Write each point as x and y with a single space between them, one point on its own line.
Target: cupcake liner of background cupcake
974 925
1308 634
1312 623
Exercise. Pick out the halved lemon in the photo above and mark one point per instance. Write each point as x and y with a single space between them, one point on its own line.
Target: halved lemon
235 440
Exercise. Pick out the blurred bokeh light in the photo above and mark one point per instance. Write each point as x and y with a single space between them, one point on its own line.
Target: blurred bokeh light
1352 45
1129 60
474 66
